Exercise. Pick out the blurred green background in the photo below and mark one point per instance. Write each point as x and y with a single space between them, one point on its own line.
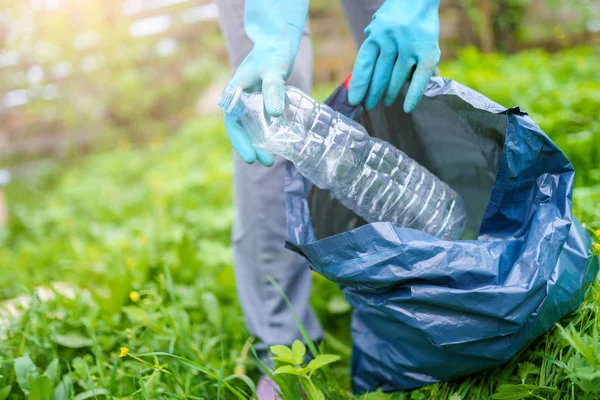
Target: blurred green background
78 75
120 202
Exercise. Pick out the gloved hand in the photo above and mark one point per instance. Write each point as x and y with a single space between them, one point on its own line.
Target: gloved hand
402 34
275 27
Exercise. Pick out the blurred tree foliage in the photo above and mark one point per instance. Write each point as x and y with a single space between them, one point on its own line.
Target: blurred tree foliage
107 80
496 21
500 24
89 80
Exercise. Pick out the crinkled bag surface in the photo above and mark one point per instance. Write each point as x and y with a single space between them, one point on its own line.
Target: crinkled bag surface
427 310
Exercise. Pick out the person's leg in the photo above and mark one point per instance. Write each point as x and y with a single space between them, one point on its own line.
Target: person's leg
359 14
260 228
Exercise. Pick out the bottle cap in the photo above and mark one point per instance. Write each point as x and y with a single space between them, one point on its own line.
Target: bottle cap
229 98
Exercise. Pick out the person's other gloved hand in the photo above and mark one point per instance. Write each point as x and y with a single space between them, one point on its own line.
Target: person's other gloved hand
275 27
403 34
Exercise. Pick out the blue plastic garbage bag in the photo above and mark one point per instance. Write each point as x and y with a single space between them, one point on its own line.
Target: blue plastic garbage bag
427 310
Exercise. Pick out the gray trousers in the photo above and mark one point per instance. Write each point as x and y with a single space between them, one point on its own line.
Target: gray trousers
260 231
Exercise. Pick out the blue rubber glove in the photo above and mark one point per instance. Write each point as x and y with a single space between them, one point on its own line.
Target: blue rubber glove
275 27
403 34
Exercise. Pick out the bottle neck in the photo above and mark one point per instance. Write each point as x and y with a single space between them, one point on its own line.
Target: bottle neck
230 101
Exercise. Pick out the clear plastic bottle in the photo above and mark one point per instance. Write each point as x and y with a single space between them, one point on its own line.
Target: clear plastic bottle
367 175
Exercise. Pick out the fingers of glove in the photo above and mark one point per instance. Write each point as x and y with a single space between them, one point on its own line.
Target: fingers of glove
417 87
242 145
239 140
265 159
273 90
362 71
246 76
400 73
381 74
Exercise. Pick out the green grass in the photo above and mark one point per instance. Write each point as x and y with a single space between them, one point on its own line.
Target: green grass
141 238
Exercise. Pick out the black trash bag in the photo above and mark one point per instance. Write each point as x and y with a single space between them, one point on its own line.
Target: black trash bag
429 310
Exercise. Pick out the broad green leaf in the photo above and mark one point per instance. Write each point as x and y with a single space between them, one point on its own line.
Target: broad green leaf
41 389
92 394
188 296
517 392
321 361
212 308
579 342
378 396
4 392
282 353
586 373
455 396
26 372
63 389
73 340
292 370
338 305
298 350
53 370
527 369
417 395
140 315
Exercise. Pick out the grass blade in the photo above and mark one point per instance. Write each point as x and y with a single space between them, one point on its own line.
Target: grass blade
197 367
309 342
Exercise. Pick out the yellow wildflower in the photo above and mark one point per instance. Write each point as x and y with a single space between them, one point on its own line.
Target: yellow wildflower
597 246
124 352
130 262
598 232
134 296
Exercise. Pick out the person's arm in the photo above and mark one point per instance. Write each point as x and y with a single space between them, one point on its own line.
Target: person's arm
403 34
275 27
